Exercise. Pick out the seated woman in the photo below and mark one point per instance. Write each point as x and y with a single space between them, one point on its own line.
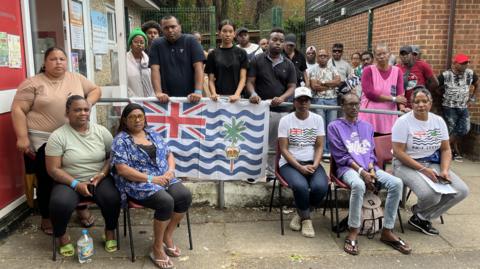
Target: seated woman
300 136
422 150
145 174
352 146
77 158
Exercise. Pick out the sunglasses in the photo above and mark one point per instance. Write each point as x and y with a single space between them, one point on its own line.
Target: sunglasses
337 51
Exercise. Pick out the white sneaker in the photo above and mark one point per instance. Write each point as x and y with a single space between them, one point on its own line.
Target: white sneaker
307 228
295 224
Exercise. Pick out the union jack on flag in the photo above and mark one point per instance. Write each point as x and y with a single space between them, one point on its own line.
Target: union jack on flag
176 120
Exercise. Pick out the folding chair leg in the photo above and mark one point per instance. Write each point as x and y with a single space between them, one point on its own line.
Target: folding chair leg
117 235
326 201
408 195
441 219
54 246
132 248
124 222
281 207
404 196
336 211
400 220
189 231
273 193
330 205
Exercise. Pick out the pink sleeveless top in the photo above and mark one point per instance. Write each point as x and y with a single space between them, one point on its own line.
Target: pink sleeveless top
381 123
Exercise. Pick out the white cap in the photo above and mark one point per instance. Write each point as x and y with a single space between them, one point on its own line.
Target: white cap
302 91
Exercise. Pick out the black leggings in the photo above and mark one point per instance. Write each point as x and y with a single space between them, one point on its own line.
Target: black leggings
44 182
64 200
176 199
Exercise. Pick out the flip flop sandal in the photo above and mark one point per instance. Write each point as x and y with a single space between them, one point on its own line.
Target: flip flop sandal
163 264
172 252
398 245
67 250
354 247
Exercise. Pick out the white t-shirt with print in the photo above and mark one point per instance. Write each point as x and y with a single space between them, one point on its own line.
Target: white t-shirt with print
301 135
252 48
422 138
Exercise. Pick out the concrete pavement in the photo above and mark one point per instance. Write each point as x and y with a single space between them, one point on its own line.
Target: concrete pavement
250 238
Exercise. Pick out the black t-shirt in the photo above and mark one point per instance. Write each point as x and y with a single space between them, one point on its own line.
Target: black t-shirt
272 80
300 65
176 63
225 64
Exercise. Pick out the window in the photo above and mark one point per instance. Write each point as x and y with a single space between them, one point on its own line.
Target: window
112 33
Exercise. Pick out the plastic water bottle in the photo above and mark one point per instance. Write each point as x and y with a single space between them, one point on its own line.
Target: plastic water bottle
85 247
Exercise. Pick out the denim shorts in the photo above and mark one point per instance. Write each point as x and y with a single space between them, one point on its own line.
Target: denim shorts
457 119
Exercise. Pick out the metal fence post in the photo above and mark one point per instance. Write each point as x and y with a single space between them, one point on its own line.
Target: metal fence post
213 27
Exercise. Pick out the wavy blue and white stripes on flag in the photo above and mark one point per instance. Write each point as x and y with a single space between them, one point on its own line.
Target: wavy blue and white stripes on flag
213 140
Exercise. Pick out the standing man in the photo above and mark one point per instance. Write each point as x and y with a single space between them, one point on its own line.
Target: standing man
243 40
272 76
323 81
176 61
455 84
296 57
343 68
311 55
263 44
367 59
415 73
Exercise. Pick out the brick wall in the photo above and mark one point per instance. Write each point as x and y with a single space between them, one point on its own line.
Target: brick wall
420 22
352 32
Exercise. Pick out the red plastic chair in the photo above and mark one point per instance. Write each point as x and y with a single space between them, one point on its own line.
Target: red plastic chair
283 183
127 223
83 203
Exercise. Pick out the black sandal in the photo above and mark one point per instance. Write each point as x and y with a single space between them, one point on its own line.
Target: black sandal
399 245
354 247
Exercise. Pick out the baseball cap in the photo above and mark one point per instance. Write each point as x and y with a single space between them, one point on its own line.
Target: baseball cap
241 30
290 39
311 49
461 58
302 91
415 49
407 49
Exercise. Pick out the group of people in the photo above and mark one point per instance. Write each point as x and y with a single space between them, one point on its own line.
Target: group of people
75 159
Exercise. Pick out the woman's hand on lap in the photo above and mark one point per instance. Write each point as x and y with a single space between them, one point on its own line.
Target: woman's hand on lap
160 180
82 189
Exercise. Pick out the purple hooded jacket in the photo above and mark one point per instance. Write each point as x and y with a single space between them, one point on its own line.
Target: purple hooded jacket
351 142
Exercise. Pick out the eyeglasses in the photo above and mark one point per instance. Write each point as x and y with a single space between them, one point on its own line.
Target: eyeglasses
337 51
134 118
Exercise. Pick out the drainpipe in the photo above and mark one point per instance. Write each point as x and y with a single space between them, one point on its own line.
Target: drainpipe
370 30
451 29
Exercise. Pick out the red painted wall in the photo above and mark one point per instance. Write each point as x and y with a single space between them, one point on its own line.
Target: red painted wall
11 161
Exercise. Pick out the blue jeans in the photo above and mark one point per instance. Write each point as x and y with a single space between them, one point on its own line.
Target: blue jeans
327 116
394 187
457 119
307 190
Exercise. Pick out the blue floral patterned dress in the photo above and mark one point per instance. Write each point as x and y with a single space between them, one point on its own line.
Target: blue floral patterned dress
125 151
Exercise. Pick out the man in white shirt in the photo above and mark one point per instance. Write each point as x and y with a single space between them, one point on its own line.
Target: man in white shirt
243 40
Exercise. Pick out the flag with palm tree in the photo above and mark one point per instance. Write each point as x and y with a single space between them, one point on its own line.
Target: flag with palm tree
233 133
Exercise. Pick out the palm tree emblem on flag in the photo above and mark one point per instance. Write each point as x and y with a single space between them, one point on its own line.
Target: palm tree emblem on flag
233 133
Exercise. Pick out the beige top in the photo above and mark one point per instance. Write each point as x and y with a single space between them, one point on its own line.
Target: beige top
47 99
